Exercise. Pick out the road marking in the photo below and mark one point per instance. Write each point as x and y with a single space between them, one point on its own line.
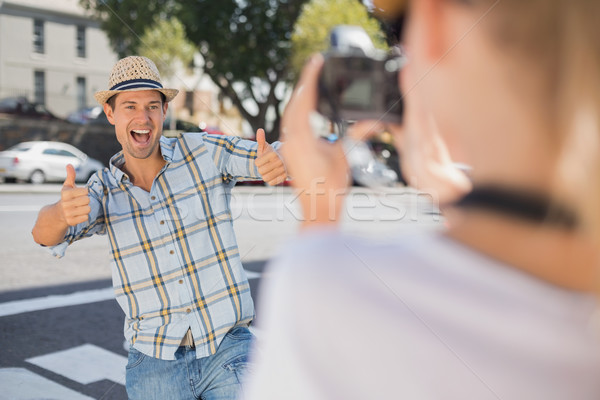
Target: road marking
253 275
21 384
20 208
84 364
55 301
65 300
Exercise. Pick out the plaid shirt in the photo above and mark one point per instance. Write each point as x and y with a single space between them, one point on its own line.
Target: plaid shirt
175 260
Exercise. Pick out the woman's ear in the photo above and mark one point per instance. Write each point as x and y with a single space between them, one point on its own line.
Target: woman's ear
427 26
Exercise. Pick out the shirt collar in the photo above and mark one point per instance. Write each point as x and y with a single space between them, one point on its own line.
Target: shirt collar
167 148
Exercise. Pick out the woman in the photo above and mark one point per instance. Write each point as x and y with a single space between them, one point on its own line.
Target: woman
503 305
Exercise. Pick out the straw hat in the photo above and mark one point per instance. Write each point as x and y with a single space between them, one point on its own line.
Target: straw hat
134 73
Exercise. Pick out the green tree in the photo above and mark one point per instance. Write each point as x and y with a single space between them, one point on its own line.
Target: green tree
245 44
318 17
166 43
125 21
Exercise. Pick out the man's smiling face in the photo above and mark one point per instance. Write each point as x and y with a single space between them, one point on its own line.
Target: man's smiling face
138 118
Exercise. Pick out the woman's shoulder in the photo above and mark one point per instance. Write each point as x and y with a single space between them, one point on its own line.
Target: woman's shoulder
333 248
426 266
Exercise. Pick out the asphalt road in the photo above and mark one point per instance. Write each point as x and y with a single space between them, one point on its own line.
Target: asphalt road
61 332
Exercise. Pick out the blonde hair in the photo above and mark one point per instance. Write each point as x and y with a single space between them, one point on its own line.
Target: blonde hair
561 39
580 105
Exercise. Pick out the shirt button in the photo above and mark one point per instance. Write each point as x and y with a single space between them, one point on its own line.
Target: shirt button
172 252
153 198
181 281
188 310
162 222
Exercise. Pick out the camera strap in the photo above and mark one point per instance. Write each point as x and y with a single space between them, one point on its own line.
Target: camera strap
530 206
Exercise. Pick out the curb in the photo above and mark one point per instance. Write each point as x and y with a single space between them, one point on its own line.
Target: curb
29 188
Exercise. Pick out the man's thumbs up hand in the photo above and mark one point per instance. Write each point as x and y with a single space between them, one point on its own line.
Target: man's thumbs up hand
270 165
263 146
70 181
74 201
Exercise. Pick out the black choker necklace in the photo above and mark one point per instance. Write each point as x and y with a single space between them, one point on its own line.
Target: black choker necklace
524 205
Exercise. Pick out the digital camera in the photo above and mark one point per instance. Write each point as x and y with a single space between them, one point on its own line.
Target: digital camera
357 81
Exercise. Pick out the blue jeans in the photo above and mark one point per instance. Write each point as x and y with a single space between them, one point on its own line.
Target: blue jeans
216 377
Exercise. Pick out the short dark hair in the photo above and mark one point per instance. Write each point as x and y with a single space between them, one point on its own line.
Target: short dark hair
111 100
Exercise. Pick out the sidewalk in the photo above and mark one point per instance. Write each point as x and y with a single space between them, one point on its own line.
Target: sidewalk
29 188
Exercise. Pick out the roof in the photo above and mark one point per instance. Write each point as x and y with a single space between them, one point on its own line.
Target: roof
71 7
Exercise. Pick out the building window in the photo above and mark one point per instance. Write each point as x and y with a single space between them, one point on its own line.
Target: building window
81 93
80 40
38 36
39 87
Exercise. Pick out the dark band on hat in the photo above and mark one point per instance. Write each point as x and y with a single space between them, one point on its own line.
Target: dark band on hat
136 84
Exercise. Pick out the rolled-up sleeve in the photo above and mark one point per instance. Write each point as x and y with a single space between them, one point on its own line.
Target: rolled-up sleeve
235 156
95 225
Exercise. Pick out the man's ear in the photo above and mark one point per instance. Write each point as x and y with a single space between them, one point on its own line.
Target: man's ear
165 107
109 113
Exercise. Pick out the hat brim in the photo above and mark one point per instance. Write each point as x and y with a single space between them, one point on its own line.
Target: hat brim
103 96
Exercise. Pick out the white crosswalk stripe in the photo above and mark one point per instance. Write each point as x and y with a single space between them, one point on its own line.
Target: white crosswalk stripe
84 364
21 384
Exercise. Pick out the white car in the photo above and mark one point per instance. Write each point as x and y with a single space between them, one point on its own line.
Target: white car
39 162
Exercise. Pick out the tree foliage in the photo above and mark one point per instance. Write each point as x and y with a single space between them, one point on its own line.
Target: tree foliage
245 44
318 17
125 21
166 43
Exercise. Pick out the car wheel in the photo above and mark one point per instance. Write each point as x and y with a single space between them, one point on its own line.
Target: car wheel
37 177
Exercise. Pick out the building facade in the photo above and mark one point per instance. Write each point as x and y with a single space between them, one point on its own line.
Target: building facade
53 53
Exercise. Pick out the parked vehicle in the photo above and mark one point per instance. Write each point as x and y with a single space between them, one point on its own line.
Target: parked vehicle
385 152
374 162
39 162
85 115
180 126
20 106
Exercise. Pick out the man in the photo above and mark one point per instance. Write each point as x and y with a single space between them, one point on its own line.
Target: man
177 274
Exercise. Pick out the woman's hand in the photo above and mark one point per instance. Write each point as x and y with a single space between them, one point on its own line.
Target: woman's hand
425 160
318 168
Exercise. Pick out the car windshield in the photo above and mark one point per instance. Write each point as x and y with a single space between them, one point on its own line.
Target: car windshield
8 104
21 147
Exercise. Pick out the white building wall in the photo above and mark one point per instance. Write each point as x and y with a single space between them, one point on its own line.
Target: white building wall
60 62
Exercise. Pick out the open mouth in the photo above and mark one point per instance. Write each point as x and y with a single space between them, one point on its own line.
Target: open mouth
140 136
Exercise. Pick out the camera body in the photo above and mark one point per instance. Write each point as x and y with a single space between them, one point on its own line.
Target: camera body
357 81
